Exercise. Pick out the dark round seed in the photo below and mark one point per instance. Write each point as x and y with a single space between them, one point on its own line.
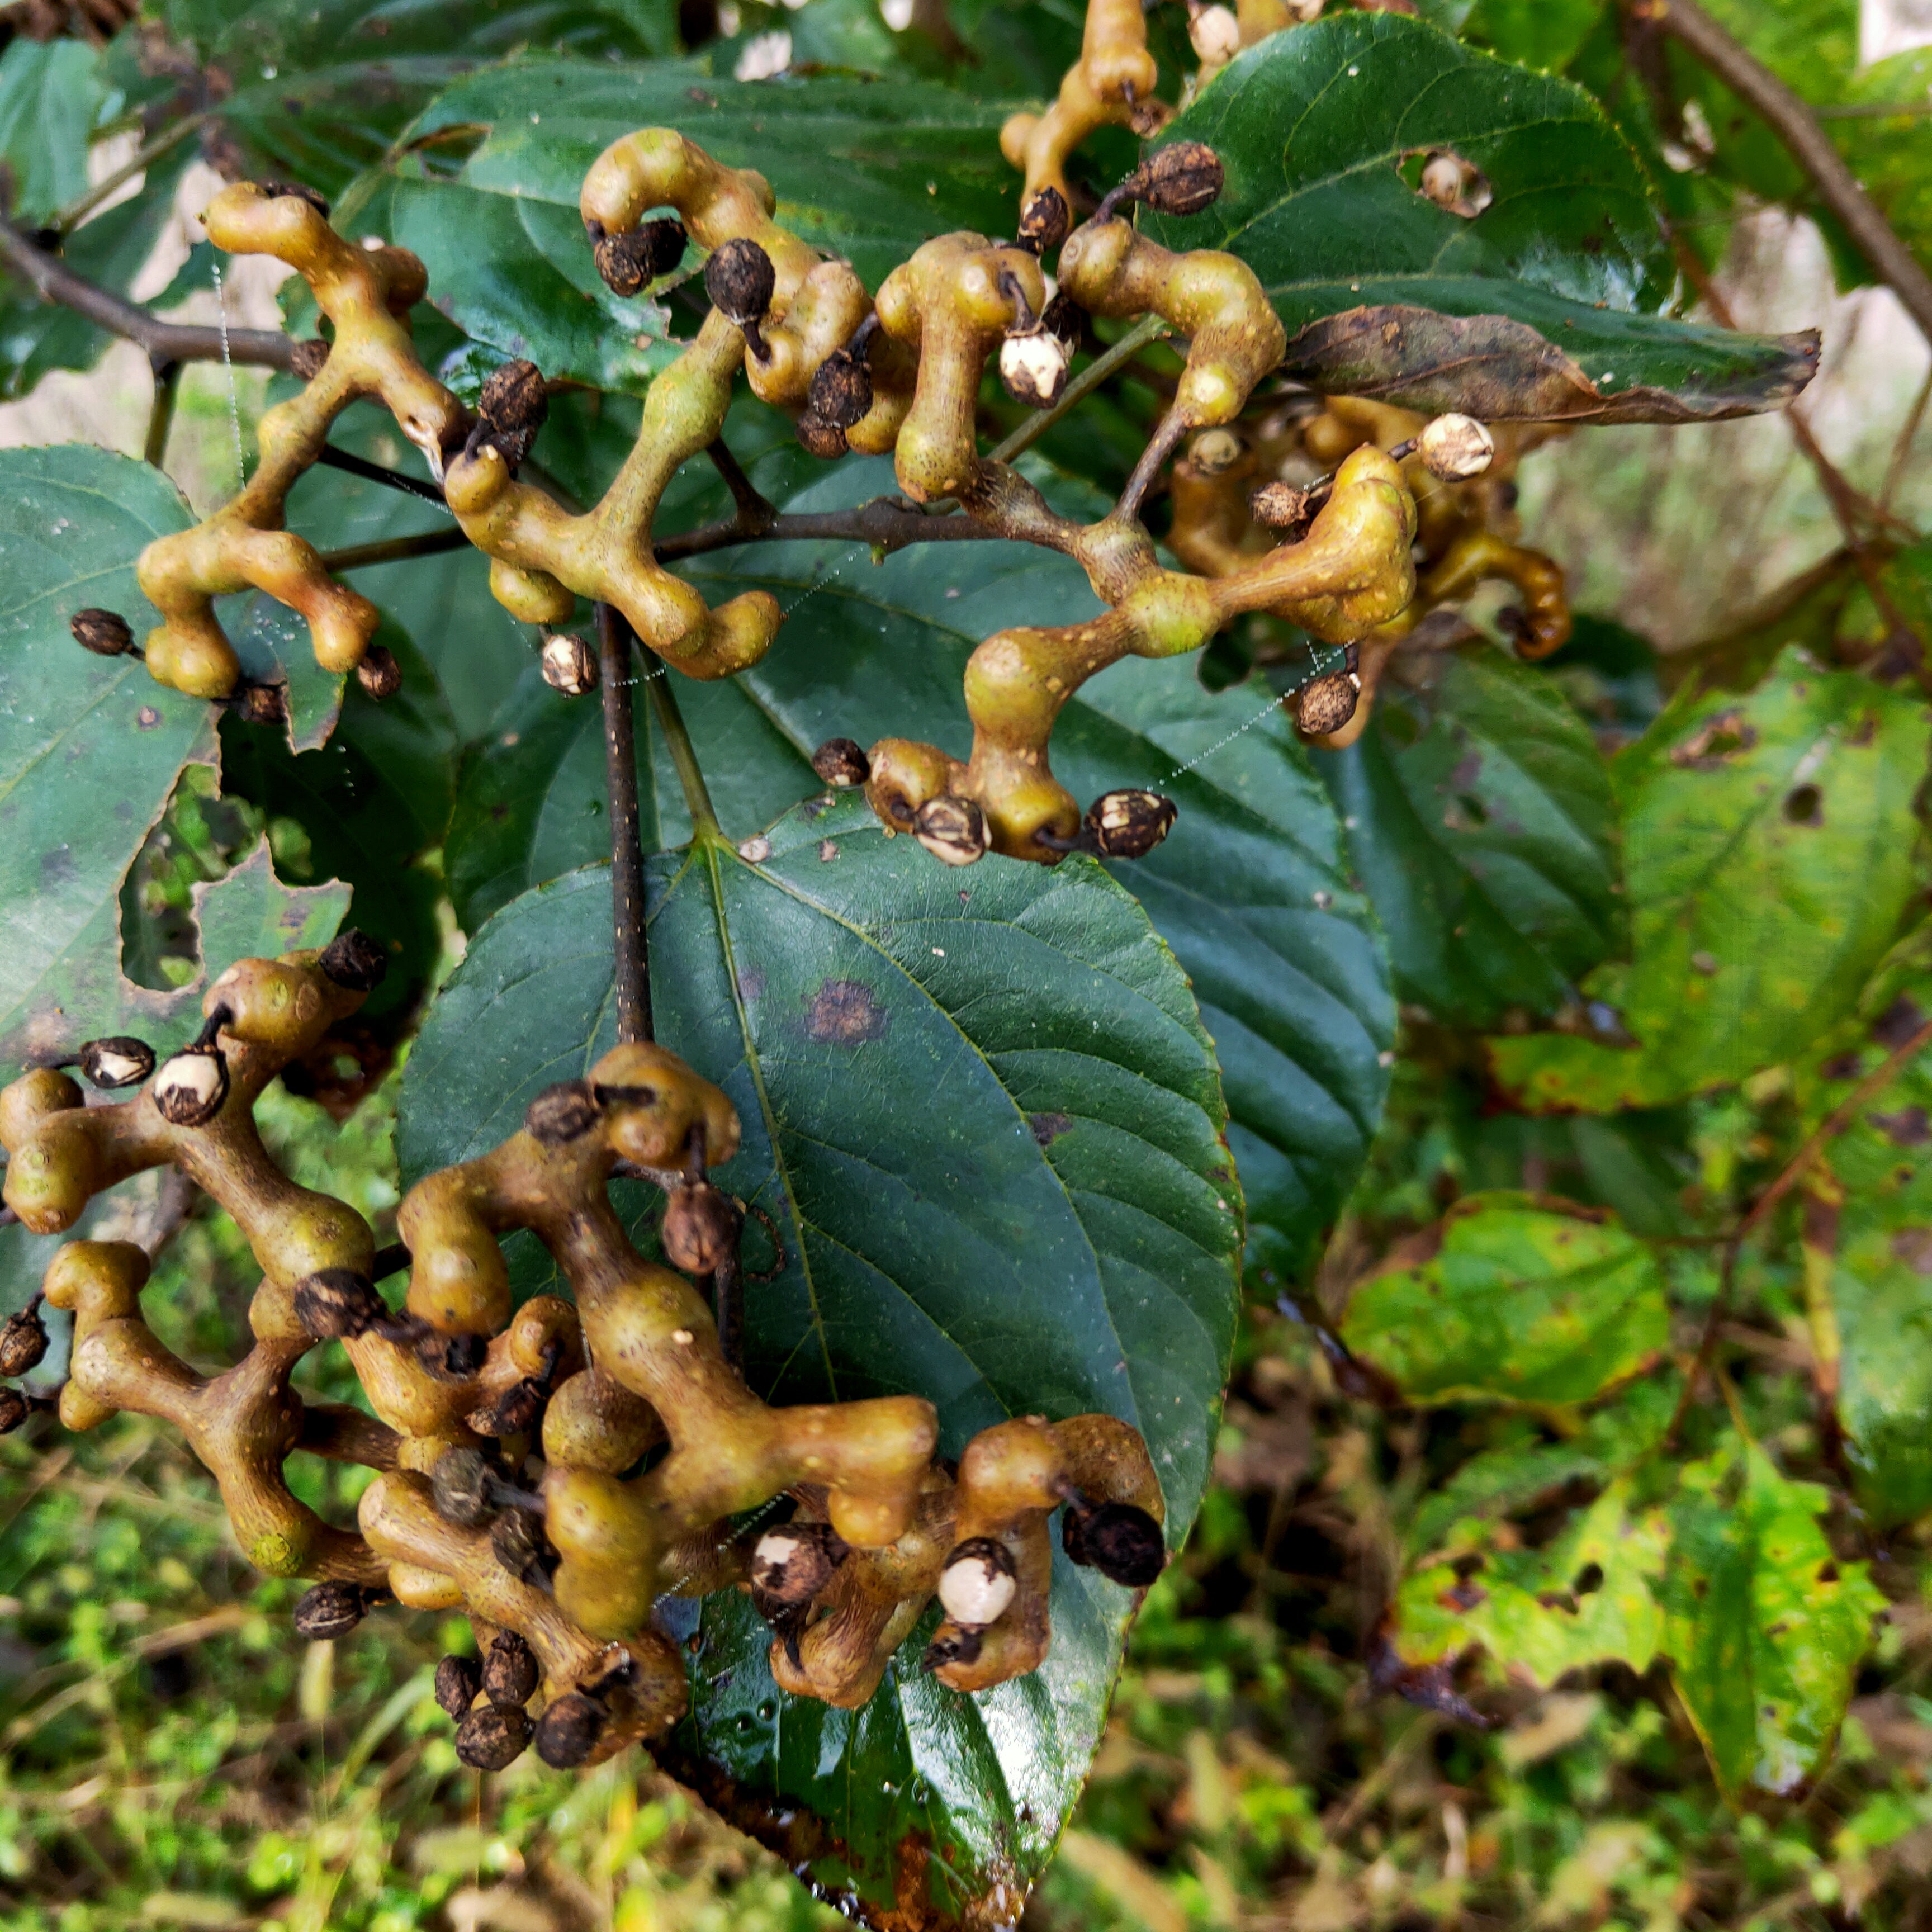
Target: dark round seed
14 1410
510 1672
265 704
517 1542
458 1681
739 279
119 1060
791 1564
105 633
330 1610
461 1486
701 1228
379 674
23 1341
307 357
189 1089
489 1739
562 1114
354 962
1045 220
841 763
1064 317
628 261
841 389
511 409
1325 703
338 1303
1182 179
1124 1543
1130 824
1281 506
819 438
951 829
567 1733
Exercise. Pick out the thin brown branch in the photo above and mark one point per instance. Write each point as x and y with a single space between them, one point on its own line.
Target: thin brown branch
165 342
1901 450
1794 1170
1809 145
884 524
393 550
630 962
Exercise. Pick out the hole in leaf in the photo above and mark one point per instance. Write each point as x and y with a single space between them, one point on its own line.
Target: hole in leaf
1589 1578
1828 1573
1472 808
1805 805
1441 175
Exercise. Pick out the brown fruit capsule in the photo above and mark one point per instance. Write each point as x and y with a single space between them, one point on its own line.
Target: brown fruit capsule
14 1410
701 1228
306 359
567 1732
1065 318
978 1582
1215 451
338 1303
817 437
119 1060
1124 1543
628 261
1280 506
791 1564
569 664
276 190
1182 179
562 1114
379 674
190 1089
960 1646
1033 366
23 1341
514 1412
517 1542
841 764
739 279
841 389
1130 824
1456 448
1045 221
491 1739
511 409
266 704
509 1671
458 1681
354 962
951 829
330 1610
462 1487
451 1358
1327 703
105 633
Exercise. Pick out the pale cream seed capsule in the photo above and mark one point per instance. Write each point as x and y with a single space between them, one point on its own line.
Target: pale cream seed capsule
1215 34
977 1585
1215 450
1456 448
190 1088
569 664
1032 366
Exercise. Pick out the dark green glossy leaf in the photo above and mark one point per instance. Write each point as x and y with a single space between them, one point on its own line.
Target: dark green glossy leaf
1770 859
50 97
1479 816
863 171
1764 1626
1249 888
984 1110
1535 33
90 748
1316 127
1515 1298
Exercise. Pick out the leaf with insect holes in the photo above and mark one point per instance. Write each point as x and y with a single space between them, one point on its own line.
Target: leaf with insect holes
1513 1297
1770 858
983 1113
1538 299
1765 1628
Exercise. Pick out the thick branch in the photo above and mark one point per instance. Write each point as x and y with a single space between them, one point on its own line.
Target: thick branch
1794 124
165 342
632 965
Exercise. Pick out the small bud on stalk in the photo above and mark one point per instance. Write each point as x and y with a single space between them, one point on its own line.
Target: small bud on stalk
1181 180
841 763
1216 35
1456 448
509 1671
1280 506
978 1584
491 1739
514 406
1045 221
119 1060
791 1564
379 674
264 704
951 829
329 1610
23 1341
569 1730
189 1089
629 261
817 437
1033 366
105 633
569 664
1130 824
739 279
458 1681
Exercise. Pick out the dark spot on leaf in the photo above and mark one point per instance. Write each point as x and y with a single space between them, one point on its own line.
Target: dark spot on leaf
1467 1566
1474 811
1913 1246
1589 1578
1433 1686
1777 1629
1463 1596
1864 731
1047 1128
1828 1573
1805 805
499 813
1845 1067
1700 1587
751 983
845 1014
1908 1127
57 867
1898 1022
1719 738
147 718
1705 963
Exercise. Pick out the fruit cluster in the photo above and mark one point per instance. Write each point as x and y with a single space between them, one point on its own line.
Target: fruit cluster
551 1469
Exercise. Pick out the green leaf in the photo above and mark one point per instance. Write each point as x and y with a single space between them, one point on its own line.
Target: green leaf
50 98
1588 1598
1536 33
90 748
1514 1298
864 171
532 801
1322 132
1770 859
985 1111
1764 1627
1480 817
1249 888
